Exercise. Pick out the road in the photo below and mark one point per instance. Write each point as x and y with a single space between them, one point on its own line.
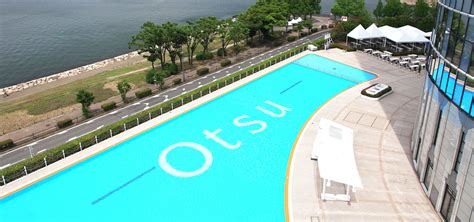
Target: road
18 154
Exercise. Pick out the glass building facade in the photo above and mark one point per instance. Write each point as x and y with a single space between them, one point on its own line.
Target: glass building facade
451 57
443 136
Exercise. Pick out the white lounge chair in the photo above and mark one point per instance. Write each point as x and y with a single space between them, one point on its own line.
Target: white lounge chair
403 63
414 67
394 59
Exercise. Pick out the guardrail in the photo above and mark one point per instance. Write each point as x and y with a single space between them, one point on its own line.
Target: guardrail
48 157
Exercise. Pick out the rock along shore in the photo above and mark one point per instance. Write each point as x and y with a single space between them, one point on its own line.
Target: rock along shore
69 73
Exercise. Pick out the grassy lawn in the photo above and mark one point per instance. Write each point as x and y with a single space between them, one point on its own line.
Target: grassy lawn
65 95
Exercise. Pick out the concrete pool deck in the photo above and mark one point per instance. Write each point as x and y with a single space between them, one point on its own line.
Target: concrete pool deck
382 131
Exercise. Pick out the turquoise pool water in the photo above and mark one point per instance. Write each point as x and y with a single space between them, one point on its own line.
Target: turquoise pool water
229 163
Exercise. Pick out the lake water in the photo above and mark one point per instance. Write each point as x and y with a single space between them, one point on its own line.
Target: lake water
43 37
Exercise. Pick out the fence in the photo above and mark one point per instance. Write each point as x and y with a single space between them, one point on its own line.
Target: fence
46 158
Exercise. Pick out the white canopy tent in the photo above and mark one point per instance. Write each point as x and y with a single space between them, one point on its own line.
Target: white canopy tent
333 148
359 33
374 32
403 35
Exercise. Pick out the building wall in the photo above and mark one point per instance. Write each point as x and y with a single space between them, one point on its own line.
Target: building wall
448 89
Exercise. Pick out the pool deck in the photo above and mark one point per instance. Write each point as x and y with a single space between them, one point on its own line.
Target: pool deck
382 136
382 132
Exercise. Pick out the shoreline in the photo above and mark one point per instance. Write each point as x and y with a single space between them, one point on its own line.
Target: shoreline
66 74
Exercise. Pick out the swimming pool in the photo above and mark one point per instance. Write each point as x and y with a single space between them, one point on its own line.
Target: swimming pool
223 161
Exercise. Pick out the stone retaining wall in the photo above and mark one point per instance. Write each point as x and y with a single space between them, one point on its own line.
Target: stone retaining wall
66 74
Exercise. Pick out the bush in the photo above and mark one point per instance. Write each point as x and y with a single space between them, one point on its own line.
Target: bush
278 42
331 26
4 145
314 30
109 106
143 93
225 63
200 56
64 123
150 76
319 42
303 34
324 27
202 71
171 68
291 38
177 81
221 52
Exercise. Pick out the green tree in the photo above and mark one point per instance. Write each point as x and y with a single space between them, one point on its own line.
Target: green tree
192 40
223 32
85 98
354 8
299 27
238 31
422 9
156 77
175 38
308 24
393 8
207 27
265 15
378 11
123 87
314 6
150 42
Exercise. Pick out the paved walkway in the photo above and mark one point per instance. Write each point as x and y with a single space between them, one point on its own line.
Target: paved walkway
382 135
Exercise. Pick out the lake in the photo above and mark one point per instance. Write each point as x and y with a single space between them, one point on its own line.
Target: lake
43 37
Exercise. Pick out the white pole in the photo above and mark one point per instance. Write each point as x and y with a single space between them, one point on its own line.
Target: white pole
45 162
96 140
149 116
161 110
64 154
80 145
138 122
125 126
4 181
111 133
26 171
171 106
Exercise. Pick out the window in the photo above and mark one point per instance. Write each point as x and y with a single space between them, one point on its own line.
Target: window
438 122
428 173
462 143
448 203
417 151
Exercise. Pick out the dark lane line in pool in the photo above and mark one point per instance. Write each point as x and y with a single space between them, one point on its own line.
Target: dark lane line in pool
123 185
291 87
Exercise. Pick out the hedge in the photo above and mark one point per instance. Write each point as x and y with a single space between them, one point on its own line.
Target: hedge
16 171
225 63
200 56
202 71
171 68
291 38
64 123
4 145
109 106
143 93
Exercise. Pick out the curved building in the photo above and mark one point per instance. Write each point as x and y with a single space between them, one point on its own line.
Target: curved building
443 137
